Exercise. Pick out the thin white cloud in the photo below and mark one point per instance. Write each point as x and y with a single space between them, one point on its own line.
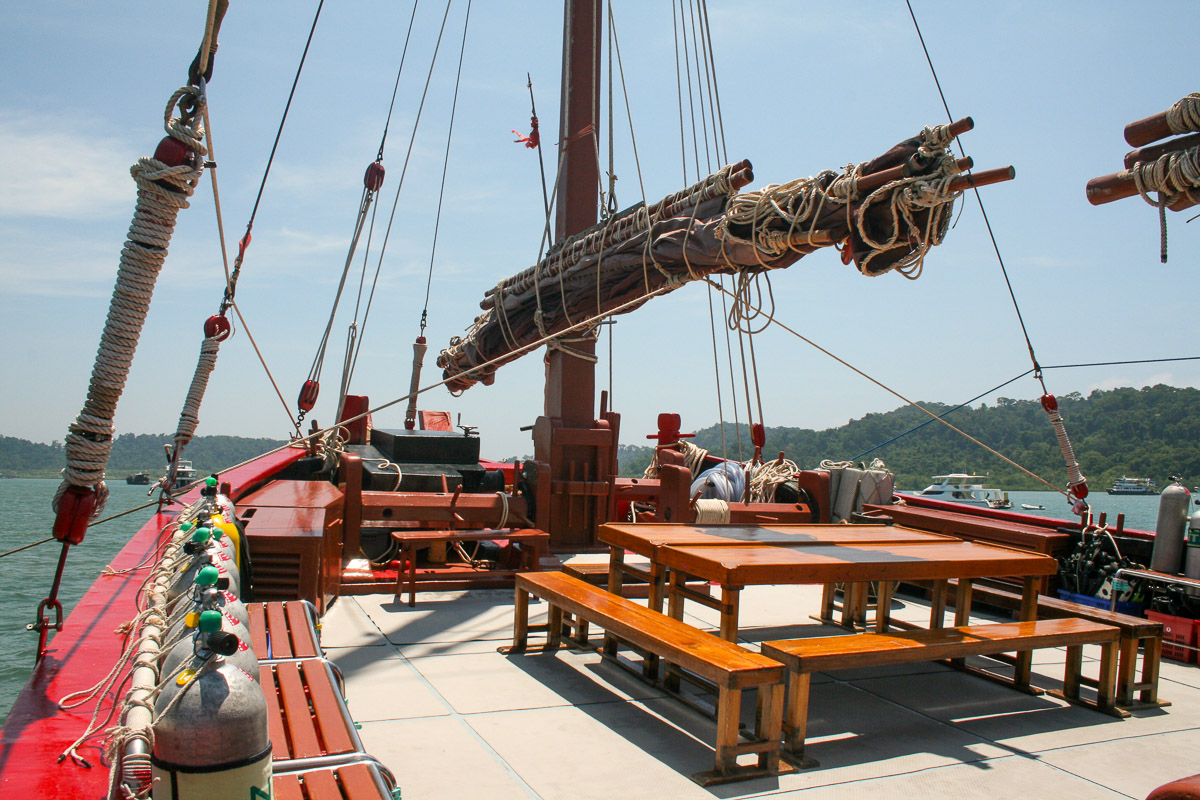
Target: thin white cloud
49 167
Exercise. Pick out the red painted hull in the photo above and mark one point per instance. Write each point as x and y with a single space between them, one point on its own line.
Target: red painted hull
36 732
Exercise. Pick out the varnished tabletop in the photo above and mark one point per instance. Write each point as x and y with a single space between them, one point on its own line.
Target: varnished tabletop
744 565
646 538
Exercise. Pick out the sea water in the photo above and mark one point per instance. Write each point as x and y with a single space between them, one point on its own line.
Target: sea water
25 517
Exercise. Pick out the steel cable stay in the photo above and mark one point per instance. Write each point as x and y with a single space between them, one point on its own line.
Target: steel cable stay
913 403
372 183
966 403
419 346
1076 482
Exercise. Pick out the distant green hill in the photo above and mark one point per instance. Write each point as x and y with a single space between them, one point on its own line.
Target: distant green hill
1153 432
131 453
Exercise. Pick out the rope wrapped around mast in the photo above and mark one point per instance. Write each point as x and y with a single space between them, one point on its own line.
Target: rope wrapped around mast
165 183
886 212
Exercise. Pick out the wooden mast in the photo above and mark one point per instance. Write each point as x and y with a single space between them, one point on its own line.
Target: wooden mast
575 452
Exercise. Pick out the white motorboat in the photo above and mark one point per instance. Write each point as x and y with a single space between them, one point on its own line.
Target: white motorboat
961 488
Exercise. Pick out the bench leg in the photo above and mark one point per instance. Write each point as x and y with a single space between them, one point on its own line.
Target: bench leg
1106 699
795 719
411 558
1071 679
1126 669
554 628
766 744
768 727
1150 664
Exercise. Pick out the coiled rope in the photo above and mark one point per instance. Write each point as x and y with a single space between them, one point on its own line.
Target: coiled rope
162 191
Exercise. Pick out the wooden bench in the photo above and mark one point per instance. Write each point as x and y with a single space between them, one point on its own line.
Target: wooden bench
284 629
822 654
533 544
1136 633
362 780
307 717
729 667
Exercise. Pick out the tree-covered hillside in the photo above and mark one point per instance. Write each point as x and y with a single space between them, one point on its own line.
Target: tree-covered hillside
1153 432
131 453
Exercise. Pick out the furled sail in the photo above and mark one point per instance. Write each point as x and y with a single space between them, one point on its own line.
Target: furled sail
886 213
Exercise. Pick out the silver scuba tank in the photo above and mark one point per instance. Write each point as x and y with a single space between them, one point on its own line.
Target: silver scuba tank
207 596
202 552
1167 555
211 738
235 649
1191 559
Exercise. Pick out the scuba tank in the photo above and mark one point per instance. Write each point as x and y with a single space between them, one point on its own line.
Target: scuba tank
211 738
1167 555
206 596
204 552
1191 560
201 645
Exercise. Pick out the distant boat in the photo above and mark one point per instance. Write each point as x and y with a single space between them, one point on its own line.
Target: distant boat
184 474
1029 507
1133 486
138 479
961 488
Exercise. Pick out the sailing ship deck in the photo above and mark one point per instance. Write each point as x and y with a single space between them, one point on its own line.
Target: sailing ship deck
454 718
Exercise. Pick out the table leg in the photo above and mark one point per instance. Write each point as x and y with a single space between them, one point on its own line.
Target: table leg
962 603
937 605
730 603
827 594
883 606
616 560
675 595
1028 613
520 621
658 579
854 605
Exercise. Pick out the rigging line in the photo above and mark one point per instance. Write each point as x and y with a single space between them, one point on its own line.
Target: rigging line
91 524
687 64
581 325
445 168
413 138
541 157
612 23
712 323
396 87
979 199
737 427
354 336
720 122
912 403
237 264
1121 363
27 546
678 94
943 414
286 408
696 46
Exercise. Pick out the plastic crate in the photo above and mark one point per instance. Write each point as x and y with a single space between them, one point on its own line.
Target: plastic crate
1179 634
1123 606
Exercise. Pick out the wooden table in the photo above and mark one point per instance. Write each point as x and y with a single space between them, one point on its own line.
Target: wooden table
736 566
648 539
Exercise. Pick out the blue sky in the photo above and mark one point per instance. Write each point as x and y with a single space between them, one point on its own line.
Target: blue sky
805 86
